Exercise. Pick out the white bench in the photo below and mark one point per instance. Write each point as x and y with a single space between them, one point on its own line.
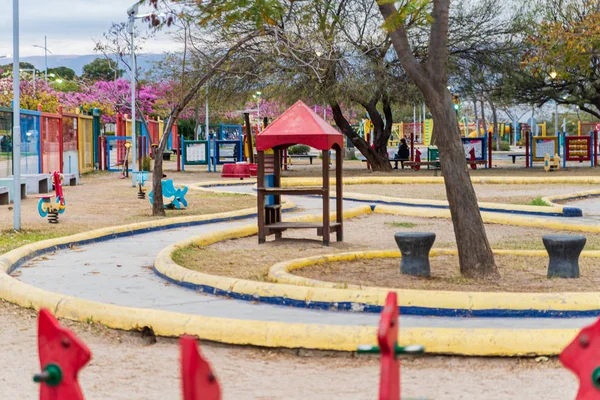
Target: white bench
4 195
71 179
37 183
9 183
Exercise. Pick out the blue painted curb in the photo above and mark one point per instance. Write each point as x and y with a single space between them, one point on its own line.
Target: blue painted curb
370 308
117 235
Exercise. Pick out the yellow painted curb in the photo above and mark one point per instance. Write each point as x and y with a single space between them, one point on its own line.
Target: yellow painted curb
427 203
500 180
436 299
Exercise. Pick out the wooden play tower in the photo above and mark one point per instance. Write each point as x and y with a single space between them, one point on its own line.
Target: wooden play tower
298 125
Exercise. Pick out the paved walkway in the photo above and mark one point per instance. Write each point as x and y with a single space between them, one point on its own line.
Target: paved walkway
119 271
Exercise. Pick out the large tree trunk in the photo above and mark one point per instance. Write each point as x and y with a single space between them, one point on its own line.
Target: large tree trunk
378 163
380 138
474 252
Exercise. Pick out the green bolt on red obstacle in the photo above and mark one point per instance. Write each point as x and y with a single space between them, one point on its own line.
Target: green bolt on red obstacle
387 337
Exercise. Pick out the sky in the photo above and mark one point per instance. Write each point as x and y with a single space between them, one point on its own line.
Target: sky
70 25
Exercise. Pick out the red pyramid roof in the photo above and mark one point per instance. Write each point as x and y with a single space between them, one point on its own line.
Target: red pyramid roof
299 125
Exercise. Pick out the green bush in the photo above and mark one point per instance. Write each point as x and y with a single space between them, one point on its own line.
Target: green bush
298 149
504 146
146 162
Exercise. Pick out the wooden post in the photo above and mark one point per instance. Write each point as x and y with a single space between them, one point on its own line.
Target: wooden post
339 202
260 181
249 141
326 221
277 153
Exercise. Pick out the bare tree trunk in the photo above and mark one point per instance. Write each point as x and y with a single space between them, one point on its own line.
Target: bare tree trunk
476 116
474 252
380 139
483 121
157 203
378 163
495 124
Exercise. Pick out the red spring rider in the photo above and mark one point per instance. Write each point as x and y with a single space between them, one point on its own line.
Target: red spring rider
62 355
582 357
472 159
49 208
417 160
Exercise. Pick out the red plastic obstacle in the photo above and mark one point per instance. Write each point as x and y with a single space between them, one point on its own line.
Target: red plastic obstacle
62 355
389 380
582 357
236 171
387 336
473 159
197 378
417 160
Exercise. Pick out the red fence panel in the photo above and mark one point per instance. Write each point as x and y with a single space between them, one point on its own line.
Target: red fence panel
51 142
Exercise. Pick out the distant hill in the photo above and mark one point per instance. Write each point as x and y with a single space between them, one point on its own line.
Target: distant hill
76 63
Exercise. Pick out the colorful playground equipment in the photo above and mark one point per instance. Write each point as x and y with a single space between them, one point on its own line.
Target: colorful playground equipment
571 148
62 355
172 197
141 178
51 206
213 152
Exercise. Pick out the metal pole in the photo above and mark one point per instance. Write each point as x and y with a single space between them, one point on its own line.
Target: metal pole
45 59
34 79
16 120
133 110
556 129
206 133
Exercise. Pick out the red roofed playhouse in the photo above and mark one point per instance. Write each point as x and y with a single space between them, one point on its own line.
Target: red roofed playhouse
297 125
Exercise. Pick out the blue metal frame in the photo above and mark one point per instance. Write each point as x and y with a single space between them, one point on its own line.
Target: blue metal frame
107 144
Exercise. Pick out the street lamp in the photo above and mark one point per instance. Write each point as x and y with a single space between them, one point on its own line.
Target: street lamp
46 51
16 120
132 12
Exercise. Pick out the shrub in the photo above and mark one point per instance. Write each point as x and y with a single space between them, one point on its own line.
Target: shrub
298 149
504 146
146 162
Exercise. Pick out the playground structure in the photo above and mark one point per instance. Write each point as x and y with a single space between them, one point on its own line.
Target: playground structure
212 152
297 125
49 208
172 197
561 148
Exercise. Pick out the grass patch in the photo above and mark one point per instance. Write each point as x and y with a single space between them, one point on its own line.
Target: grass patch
538 201
9 239
401 224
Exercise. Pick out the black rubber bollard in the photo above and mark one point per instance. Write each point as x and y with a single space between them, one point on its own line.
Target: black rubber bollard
415 247
564 254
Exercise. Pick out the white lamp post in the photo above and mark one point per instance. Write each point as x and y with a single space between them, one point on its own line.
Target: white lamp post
16 120
46 51
257 97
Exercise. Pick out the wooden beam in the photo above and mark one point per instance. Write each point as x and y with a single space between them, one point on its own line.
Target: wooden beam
339 195
326 224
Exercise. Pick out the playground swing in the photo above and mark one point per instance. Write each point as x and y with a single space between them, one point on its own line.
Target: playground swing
49 208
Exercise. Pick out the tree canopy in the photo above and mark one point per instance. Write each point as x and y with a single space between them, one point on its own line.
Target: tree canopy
102 69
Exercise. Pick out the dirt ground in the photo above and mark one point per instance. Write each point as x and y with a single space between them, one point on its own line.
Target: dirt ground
244 258
128 367
518 274
104 200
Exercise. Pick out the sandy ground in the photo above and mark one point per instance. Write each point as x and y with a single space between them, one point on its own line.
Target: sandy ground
127 366
104 200
518 274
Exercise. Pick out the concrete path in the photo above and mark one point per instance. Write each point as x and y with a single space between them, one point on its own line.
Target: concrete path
119 271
